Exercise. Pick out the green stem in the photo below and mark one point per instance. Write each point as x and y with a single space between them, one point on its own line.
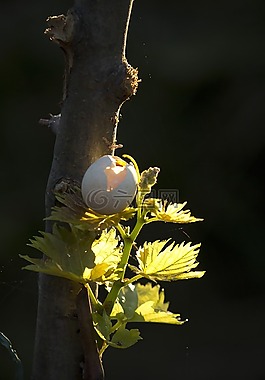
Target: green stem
128 243
96 304
111 297
133 279
121 231
153 219
103 348
116 326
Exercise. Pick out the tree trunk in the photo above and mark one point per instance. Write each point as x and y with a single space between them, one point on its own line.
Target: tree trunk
98 80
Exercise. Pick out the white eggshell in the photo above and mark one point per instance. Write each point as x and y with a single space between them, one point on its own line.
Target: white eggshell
109 185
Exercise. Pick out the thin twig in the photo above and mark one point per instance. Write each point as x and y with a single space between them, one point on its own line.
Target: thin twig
93 369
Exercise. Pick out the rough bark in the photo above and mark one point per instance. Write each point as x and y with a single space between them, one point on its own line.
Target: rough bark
98 80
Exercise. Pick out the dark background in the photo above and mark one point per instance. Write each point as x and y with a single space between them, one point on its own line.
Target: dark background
199 115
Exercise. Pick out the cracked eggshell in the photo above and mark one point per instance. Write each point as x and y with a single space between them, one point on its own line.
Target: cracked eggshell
109 185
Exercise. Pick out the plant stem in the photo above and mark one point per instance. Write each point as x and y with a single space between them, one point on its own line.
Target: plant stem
96 304
121 231
112 296
133 279
128 243
116 326
103 348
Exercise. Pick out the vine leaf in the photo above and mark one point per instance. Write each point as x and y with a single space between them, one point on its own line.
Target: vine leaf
143 303
160 261
108 251
74 211
107 248
75 254
120 337
124 338
92 220
168 212
49 267
102 325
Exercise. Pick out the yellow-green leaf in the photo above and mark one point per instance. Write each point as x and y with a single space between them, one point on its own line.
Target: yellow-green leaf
143 303
49 267
69 249
108 252
124 338
148 292
74 254
169 212
74 211
148 313
107 248
160 261
102 273
92 220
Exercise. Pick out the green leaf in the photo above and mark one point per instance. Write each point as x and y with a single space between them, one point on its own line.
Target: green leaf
107 247
124 338
148 292
168 212
121 338
74 254
143 303
68 249
92 220
49 267
102 325
108 252
128 299
159 261
74 211
118 312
